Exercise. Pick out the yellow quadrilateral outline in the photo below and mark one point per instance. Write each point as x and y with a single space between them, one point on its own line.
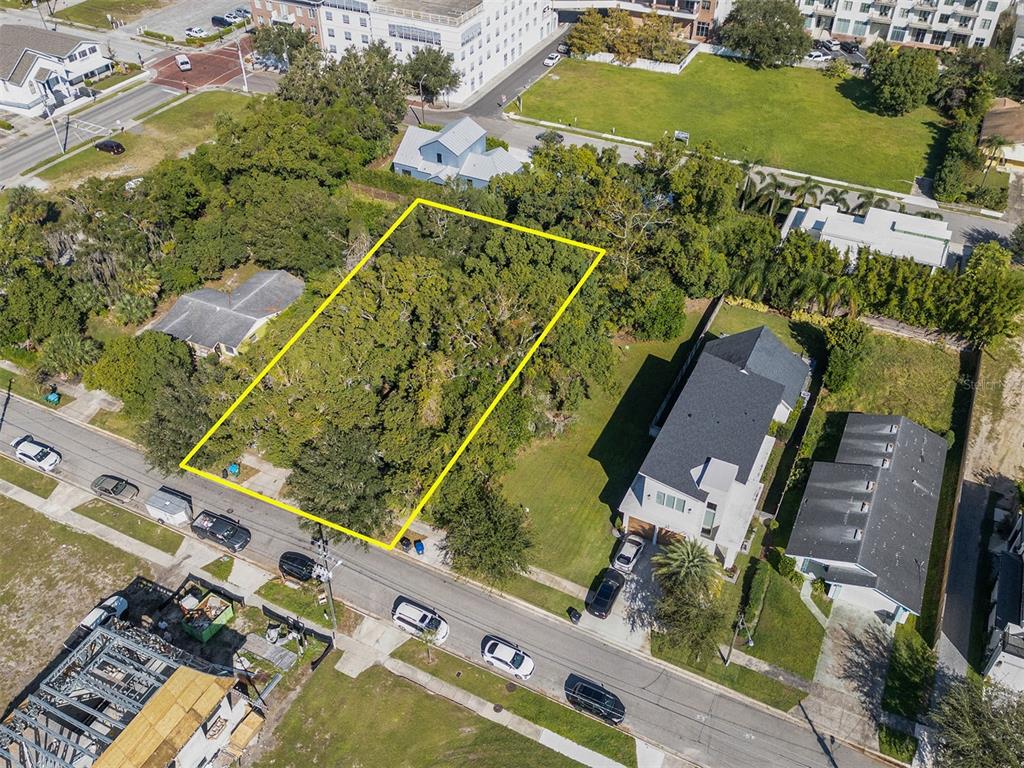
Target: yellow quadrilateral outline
600 252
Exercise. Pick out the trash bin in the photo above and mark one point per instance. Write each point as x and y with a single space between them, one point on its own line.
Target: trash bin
574 615
419 547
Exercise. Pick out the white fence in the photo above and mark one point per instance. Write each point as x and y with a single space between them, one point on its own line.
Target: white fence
651 66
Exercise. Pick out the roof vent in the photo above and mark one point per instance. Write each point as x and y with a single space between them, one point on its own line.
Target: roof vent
864 506
893 428
857 534
885 463
871 485
889 447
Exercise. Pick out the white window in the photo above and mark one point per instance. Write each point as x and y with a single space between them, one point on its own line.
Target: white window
329 15
362 21
344 18
366 39
310 14
986 23
330 33
398 47
348 35
991 6
332 48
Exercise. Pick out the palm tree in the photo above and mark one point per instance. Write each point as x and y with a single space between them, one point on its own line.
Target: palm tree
808 188
771 192
995 147
869 200
749 168
687 565
837 197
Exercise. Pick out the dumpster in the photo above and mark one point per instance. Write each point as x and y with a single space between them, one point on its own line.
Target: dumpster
203 617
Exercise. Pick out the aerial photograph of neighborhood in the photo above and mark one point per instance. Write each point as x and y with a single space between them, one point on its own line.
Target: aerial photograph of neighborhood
511 383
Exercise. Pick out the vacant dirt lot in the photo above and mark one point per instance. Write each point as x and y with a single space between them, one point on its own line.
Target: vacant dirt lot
996 451
50 576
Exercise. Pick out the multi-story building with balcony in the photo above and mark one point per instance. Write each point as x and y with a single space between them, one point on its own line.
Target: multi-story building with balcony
485 37
923 23
696 18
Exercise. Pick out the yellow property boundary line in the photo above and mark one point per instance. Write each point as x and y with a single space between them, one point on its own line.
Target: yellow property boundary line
184 464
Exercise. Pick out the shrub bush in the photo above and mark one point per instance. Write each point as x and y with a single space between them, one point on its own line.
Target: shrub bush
158 36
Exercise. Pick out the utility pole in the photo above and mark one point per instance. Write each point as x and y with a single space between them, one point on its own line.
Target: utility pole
245 79
423 102
321 547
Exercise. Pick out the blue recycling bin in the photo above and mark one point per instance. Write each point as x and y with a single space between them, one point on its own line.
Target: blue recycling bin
53 398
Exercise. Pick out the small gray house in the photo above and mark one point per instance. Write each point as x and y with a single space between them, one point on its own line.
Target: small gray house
214 320
457 151
866 520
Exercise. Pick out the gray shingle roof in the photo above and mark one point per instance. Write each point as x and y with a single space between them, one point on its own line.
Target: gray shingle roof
18 41
722 412
887 528
207 317
460 135
760 351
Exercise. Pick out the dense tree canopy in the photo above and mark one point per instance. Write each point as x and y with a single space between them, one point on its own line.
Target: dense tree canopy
434 70
768 32
903 78
980 725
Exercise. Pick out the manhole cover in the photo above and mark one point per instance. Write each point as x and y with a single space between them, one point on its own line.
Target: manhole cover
510 687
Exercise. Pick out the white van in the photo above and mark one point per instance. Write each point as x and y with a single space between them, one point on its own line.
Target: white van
170 506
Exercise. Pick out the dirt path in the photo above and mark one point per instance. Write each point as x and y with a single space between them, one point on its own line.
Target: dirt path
996 450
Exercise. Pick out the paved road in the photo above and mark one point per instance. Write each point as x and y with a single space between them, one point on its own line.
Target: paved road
710 728
38 147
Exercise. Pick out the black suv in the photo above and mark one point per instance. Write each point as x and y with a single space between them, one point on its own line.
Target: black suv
601 603
595 700
849 46
295 565
227 532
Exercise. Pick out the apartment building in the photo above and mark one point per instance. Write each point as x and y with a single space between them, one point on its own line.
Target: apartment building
696 19
485 37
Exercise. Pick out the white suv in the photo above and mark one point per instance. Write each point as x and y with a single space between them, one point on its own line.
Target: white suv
417 620
30 451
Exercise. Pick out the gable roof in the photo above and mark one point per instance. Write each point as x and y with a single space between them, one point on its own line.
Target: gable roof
20 45
207 317
459 136
168 720
886 528
760 351
489 164
721 413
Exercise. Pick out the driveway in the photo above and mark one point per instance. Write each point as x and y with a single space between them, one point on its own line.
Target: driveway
632 617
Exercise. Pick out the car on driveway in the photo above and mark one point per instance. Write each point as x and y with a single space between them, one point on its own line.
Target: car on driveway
418 620
508 657
110 146
594 699
111 608
195 32
551 59
221 529
818 56
35 454
607 591
116 488
628 553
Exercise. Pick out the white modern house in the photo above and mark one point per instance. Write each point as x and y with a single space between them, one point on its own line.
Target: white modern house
485 37
1004 655
702 477
866 520
458 151
891 233
42 70
211 320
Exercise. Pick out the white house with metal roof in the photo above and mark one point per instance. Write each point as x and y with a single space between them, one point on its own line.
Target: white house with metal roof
891 233
41 69
866 520
457 151
702 477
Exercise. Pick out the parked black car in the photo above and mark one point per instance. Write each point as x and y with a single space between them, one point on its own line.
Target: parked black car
296 565
849 46
115 488
220 22
110 146
594 699
229 533
601 603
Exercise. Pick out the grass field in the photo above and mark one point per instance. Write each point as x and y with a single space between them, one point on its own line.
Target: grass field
911 672
94 12
791 118
170 133
302 601
21 385
553 600
115 422
50 576
25 478
787 634
572 483
523 702
378 719
221 567
132 525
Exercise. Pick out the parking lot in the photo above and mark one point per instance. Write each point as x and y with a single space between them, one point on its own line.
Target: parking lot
174 19
216 67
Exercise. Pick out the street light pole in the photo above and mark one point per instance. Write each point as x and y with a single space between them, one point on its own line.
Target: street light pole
423 102
321 546
241 63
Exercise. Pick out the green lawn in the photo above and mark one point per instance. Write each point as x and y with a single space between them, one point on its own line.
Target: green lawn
897 744
221 567
378 719
740 679
167 134
790 118
116 422
28 479
50 576
132 525
523 702
908 681
302 601
572 483
787 634
541 595
130 71
21 385
94 12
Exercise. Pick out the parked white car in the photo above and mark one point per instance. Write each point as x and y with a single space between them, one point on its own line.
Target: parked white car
507 657
30 451
111 608
195 32
551 59
417 621
818 56
628 553
184 62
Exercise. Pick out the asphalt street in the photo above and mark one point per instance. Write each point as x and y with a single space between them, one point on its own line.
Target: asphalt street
74 130
710 728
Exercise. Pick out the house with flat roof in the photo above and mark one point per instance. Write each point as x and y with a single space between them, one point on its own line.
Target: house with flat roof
458 151
44 70
1004 653
702 476
216 320
866 520
890 233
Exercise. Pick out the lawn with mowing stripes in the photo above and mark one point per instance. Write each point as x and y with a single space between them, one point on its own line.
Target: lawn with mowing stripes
25 478
130 524
791 117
